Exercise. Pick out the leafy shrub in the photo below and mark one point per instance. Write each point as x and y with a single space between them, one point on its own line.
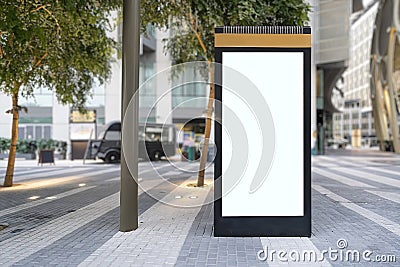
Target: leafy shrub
4 145
31 146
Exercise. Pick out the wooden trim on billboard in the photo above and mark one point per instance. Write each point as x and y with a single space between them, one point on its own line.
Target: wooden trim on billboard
262 40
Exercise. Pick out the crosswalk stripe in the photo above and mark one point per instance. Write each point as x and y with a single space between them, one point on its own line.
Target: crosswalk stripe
341 161
90 173
153 169
326 165
48 173
57 180
372 177
193 168
315 158
178 166
16 172
172 173
99 172
366 160
341 179
113 179
16 248
384 170
51 231
44 200
388 195
337 161
378 219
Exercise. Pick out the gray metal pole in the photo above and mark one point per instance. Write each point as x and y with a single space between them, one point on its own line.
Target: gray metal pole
130 83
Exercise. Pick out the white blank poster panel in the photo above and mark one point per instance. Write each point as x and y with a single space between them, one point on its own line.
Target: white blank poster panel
279 78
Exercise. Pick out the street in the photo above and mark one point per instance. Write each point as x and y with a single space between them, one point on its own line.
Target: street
68 214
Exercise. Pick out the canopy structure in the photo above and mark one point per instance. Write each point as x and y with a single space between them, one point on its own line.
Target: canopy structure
385 74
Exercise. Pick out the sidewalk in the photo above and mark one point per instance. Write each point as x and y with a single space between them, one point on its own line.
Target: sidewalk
355 201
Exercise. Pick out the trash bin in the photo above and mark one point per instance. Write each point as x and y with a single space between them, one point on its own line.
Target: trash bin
210 155
191 153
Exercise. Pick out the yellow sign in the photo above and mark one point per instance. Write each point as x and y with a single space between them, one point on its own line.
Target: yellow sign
262 40
76 116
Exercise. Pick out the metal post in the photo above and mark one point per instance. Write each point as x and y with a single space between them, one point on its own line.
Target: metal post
394 124
130 83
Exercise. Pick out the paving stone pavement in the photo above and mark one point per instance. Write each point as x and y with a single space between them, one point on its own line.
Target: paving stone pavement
202 249
74 219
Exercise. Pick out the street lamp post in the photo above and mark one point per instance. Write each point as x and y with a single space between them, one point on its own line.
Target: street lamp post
130 84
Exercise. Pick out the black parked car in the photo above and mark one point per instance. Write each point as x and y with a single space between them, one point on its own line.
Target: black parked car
155 141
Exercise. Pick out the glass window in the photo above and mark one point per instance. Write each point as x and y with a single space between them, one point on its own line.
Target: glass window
113 135
119 32
38 132
141 134
147 92
21 132
98 89
47 132
167 134
95 101
29 132
42 98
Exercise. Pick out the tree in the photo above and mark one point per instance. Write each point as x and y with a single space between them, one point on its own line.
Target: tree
58 44
192 24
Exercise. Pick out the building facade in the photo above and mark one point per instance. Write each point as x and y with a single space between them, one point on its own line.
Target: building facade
353 94
48 119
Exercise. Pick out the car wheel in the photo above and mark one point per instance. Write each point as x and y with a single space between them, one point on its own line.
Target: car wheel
112 157
155 155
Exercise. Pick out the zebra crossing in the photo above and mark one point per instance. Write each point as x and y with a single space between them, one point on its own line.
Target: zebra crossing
371 177
93 175
323 165
354 198
382 221
91 179
374 182
394 197
145 168
341 178
44 200
350 187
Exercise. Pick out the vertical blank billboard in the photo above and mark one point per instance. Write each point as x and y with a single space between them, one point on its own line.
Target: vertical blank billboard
262 168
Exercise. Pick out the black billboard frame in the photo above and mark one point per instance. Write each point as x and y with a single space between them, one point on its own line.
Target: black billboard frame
255 226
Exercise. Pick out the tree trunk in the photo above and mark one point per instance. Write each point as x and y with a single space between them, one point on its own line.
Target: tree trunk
8 180
204 151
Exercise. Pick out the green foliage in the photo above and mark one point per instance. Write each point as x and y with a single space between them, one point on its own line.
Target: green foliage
4 144
31 146
25 146
51 144
58 44
190 19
